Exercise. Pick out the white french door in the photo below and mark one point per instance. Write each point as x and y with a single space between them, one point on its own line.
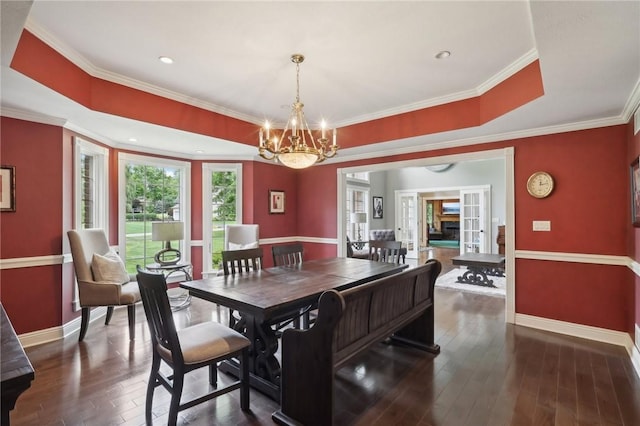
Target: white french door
475 229
407 222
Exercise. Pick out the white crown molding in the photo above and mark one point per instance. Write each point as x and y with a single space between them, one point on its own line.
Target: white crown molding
633 103
20 114
501 76
84 64
90 134
520 134
512 69
88 67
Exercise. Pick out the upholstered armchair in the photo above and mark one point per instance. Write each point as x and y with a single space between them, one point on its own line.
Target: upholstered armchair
102 278
387 235
241 237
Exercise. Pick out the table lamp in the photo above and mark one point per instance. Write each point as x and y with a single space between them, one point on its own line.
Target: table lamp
167 232
359 218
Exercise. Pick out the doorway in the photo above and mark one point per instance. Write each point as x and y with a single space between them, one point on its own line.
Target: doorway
505 155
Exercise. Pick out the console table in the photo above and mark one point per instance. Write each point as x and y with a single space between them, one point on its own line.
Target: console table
479 265
17 372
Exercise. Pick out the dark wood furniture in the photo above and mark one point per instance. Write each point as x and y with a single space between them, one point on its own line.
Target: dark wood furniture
287 254
479 265
265 296
239 261
385 251
399 306
500 239
17 372
387 235
200 345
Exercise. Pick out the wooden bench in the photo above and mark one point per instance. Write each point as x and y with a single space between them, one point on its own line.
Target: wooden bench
479 265
399 306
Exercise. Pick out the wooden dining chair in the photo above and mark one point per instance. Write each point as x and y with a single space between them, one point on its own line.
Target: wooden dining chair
385 251
287 254
188 349
290 255
241 261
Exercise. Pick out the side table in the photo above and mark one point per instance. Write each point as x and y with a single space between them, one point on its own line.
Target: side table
172 269
179 298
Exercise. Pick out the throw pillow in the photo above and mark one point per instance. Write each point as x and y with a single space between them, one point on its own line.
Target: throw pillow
109 268
234 246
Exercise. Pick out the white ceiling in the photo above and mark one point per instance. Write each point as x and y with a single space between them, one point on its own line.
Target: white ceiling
364 60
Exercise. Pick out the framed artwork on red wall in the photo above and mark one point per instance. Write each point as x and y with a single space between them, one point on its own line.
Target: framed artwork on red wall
7 188
276 201
635 192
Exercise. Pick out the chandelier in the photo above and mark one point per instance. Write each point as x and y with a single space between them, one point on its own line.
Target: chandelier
301 149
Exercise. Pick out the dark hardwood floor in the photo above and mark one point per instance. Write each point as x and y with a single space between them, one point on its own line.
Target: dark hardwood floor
488 373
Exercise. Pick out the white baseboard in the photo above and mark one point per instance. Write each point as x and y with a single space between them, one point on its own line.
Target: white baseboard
55 333
598 334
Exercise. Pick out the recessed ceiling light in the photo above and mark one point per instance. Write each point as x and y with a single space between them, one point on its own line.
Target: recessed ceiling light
199 151
165 60
133 140
443 54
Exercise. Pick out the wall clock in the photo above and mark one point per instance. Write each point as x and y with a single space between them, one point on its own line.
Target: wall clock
540 184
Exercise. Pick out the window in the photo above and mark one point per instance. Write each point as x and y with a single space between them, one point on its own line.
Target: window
91 185
91 190
222 205
151 190
357 202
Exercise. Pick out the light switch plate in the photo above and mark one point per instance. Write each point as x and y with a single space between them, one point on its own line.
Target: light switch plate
542 225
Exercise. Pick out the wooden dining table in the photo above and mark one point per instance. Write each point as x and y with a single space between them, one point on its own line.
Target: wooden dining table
267 296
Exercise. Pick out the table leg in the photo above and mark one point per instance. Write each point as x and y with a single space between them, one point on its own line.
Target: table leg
264 367
475 276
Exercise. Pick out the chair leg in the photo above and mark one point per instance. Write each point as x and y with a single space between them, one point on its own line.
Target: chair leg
176 394
107 319
151 386
84 324
131 311
213 374
244 379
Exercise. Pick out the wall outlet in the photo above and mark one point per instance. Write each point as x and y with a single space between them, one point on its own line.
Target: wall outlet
542 225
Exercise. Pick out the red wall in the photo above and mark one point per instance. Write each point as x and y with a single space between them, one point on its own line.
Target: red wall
32 296
588 211
588 215
633 240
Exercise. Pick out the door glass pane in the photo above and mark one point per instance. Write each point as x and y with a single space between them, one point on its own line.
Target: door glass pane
472 235
406 233
223 210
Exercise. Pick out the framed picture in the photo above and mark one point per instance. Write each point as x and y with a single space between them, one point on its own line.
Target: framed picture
276 201
635 192
377 208
7 188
